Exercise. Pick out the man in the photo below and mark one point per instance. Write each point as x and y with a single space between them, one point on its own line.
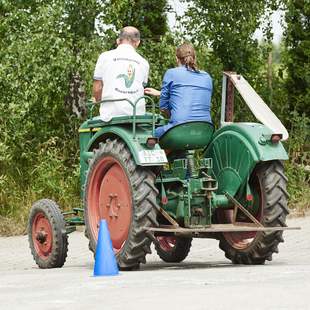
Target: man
121 73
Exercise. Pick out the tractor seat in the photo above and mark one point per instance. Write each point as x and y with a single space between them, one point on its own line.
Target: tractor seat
187 136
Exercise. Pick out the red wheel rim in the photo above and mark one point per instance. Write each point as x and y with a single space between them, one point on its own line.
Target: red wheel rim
167 243
242 240
110 198
42 235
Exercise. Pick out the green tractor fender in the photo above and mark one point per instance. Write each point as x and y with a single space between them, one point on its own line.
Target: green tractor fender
136 145
142 153
236 149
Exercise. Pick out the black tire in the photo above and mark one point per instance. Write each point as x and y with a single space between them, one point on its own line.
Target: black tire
143 197
175 253
47 211
270 181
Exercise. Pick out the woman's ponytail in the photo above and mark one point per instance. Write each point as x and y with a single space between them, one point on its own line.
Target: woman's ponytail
187 56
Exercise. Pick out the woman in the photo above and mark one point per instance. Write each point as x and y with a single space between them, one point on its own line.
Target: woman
186 92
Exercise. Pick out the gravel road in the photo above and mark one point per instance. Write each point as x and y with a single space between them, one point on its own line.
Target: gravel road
206 280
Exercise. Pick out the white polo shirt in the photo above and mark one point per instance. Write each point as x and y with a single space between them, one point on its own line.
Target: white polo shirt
124 74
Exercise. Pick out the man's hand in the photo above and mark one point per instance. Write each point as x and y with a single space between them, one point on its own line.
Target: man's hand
166 113
97 90
152 91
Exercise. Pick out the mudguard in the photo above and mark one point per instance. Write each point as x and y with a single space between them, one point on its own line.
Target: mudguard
236 149
142 154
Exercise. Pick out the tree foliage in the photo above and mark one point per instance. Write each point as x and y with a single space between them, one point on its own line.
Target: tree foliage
150 17
228 28
297 55
40 52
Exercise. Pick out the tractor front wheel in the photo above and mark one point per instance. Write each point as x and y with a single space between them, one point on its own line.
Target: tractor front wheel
173 249
123 194
47 235
268 184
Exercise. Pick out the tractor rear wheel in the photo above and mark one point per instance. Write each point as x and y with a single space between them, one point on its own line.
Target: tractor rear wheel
47 235
268 184
123 194
173 249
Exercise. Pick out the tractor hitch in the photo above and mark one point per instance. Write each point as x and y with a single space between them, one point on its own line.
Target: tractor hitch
74 220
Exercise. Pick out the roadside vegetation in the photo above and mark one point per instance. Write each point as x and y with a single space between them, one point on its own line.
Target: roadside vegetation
48 52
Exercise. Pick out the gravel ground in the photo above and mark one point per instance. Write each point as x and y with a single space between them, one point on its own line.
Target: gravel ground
206 280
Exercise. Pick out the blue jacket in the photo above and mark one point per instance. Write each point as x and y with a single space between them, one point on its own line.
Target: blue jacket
187 95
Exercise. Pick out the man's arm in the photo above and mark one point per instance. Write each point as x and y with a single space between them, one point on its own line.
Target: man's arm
97 90
152 91
166 113
99 77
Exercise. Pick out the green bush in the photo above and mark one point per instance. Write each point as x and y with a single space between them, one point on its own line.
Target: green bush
49 177
298 166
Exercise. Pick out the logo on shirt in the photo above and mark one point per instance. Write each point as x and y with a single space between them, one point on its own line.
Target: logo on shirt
129 77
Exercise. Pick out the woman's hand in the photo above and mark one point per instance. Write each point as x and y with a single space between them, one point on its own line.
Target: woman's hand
151 91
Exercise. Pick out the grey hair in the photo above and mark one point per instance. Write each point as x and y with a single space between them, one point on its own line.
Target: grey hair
132 36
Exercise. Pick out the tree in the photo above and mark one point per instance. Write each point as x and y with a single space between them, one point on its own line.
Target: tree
42 49
297 55
228 28
148 16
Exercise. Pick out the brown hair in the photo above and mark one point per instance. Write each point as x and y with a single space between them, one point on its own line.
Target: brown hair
187 56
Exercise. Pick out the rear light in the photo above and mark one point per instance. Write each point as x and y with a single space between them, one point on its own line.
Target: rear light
275 138
164 200
249 197
151 142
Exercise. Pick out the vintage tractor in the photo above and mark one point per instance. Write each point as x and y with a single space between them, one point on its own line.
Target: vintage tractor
234 190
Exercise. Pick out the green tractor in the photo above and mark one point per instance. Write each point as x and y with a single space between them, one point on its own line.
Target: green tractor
162 192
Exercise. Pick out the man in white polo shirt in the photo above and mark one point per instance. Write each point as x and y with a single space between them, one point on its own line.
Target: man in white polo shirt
121 73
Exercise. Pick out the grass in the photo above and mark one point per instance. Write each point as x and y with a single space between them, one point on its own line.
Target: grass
298 188
50 177
14 221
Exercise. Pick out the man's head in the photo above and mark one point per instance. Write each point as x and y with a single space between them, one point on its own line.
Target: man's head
129 35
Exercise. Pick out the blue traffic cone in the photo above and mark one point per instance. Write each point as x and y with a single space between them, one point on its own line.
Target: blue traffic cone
105 262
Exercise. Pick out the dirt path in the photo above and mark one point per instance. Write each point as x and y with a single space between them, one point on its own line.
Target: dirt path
206 280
